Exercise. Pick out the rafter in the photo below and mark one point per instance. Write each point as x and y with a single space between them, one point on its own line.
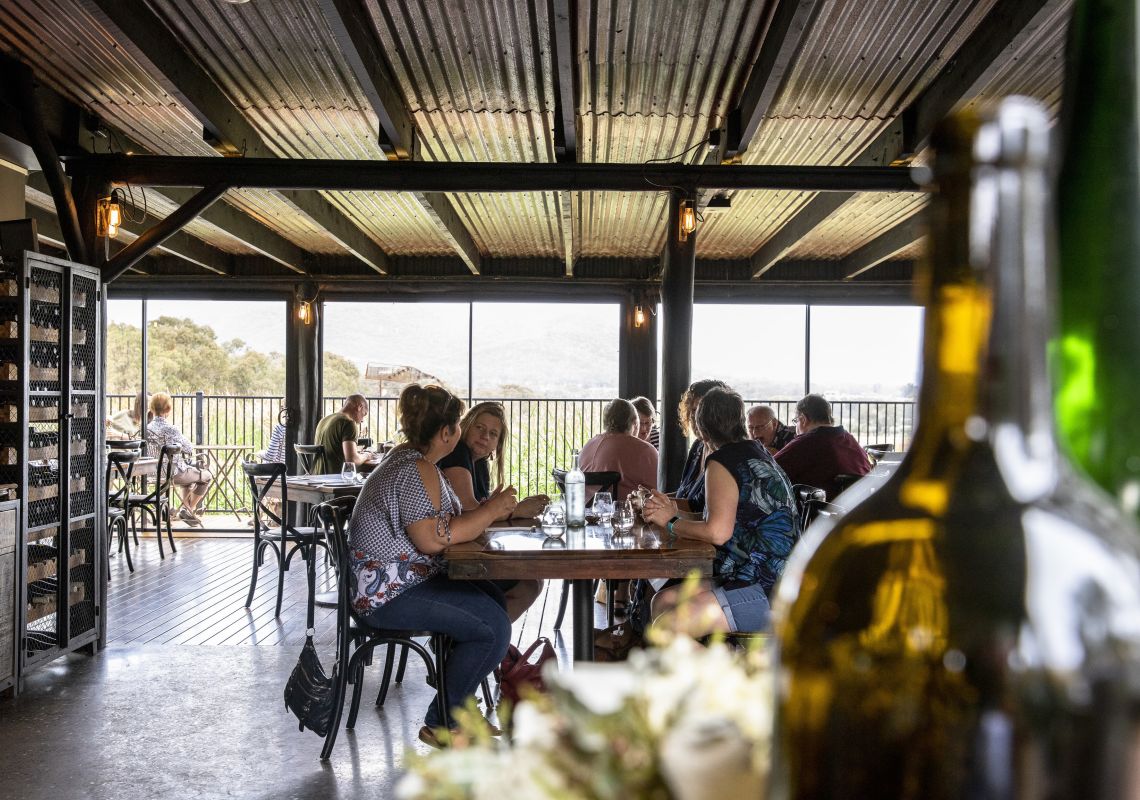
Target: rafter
352 28
883 247
148 40
988 51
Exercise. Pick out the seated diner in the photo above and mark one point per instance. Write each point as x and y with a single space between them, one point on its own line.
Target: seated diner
617 448
822 450
690 494
337 434
406 516
191 479
749 516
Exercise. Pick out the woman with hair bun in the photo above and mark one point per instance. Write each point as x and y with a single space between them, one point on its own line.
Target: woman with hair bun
406 516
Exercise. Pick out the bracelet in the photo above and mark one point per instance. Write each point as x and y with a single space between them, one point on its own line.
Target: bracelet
673 522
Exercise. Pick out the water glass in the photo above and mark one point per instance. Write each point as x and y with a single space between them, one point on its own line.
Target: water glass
554 519
348 472
604 506
623 518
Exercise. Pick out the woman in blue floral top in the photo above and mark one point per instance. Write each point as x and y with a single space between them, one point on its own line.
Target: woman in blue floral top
407 514
749 515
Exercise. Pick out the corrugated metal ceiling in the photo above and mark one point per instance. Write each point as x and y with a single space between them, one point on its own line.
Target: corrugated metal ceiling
652 77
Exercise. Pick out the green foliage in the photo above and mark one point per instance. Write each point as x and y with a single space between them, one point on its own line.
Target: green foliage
186 357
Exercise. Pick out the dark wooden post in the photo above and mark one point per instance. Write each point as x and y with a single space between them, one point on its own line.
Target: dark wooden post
303 376
637 348
677 325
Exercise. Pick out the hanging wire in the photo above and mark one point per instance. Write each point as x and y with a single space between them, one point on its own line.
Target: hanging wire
666 159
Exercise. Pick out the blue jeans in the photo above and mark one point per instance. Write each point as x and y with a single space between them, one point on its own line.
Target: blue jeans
472 613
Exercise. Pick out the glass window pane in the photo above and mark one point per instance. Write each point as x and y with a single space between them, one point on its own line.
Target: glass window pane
758 350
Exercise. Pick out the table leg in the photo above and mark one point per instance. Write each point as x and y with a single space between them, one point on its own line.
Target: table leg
583 600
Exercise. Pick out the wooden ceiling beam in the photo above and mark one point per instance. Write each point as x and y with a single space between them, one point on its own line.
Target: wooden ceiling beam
884 247
352 28
146 38
988 51
782 43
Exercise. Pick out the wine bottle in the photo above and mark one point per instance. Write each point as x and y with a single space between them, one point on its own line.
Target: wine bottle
1097 347
972 628
575 483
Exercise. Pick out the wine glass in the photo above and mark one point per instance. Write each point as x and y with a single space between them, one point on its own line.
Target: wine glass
348 472
623 518
604 506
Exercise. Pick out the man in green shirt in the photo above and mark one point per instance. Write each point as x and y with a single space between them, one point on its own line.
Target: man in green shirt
337 434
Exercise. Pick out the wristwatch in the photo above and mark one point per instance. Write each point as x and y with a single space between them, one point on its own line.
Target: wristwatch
673 522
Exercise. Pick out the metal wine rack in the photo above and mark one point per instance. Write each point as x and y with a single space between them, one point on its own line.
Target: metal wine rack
51 448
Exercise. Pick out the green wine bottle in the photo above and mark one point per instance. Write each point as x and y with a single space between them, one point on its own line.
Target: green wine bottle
1097 348
972 628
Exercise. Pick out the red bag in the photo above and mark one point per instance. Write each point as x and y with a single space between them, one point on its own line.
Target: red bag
519 670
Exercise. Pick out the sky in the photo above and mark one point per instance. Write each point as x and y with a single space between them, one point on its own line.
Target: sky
570 350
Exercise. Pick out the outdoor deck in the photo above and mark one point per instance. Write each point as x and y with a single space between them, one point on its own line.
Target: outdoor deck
186 699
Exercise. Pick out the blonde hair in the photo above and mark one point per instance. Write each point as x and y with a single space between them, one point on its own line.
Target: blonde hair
687 408
497 411
161 404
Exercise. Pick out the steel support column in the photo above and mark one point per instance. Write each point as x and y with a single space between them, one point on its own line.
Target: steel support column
637 349
303 376
676 356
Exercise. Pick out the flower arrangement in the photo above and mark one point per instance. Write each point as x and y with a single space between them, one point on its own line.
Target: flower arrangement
681 721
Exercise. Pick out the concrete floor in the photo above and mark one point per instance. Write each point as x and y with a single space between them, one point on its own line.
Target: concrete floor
150 721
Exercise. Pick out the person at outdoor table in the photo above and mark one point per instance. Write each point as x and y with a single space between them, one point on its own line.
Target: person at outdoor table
822 450
749 516
618 449
406 516
483 434
647 429
764 427
690 494
337 434
190 479
128 423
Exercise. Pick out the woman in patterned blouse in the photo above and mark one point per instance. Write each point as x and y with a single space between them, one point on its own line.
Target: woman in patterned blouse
407 514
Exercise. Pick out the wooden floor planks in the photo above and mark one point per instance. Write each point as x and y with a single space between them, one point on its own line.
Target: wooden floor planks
197 597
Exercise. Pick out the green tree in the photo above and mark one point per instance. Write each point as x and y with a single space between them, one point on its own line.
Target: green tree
341 376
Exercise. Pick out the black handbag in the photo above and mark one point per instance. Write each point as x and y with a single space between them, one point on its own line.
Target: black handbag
309 691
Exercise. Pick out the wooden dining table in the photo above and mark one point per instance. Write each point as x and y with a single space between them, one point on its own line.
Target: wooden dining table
513 552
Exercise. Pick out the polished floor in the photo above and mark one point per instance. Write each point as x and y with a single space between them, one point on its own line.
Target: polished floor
185 701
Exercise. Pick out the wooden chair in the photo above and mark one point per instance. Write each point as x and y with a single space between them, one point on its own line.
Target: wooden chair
120 470
155 504
607 481
271 531
305 455
355 639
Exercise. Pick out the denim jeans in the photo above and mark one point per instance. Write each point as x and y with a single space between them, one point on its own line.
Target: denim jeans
472 613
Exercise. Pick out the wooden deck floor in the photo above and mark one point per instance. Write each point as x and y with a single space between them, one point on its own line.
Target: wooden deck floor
197 597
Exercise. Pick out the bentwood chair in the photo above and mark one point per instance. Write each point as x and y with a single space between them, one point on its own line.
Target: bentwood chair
305 455
608 482
812 502
356 639
271 529
155 504
120 470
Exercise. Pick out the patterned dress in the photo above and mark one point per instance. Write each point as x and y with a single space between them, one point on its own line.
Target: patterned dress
384 561
766 522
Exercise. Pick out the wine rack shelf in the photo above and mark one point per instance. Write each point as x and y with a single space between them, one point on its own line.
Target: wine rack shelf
51 581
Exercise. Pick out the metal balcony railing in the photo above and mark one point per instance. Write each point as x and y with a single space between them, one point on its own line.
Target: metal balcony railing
542 434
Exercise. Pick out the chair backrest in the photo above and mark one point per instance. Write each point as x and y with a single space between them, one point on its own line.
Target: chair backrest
125 444
875 452
305 455
164 474
120 468
273 473
333 516
812 502
606 481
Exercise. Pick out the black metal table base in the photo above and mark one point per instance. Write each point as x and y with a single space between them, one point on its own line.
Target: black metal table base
583 591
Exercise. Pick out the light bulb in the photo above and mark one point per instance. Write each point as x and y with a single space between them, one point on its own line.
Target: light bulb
638 317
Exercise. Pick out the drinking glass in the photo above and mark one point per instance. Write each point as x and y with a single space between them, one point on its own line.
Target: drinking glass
554 519
348 473
623 518
604 506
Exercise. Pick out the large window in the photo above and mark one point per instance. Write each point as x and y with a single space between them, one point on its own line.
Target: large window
756 349
865 352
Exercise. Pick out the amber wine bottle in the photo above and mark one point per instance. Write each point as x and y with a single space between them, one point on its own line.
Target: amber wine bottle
1097 346
971 629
